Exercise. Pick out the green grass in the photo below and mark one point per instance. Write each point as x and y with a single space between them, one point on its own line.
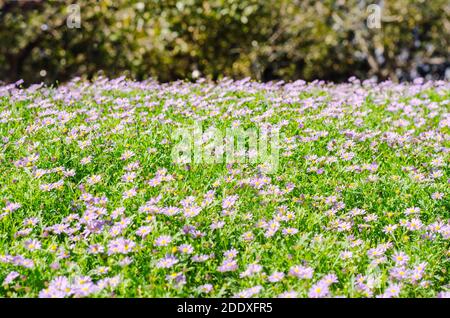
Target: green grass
104 121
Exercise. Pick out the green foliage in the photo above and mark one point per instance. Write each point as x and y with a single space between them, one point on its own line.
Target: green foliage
238 38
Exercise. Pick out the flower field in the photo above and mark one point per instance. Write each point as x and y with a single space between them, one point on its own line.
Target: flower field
94 204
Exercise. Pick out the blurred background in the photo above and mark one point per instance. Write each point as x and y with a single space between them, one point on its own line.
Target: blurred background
54 41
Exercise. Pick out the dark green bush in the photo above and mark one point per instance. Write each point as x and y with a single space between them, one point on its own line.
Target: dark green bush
264 39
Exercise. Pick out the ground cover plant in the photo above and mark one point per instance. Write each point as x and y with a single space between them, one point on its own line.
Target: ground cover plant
93 203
